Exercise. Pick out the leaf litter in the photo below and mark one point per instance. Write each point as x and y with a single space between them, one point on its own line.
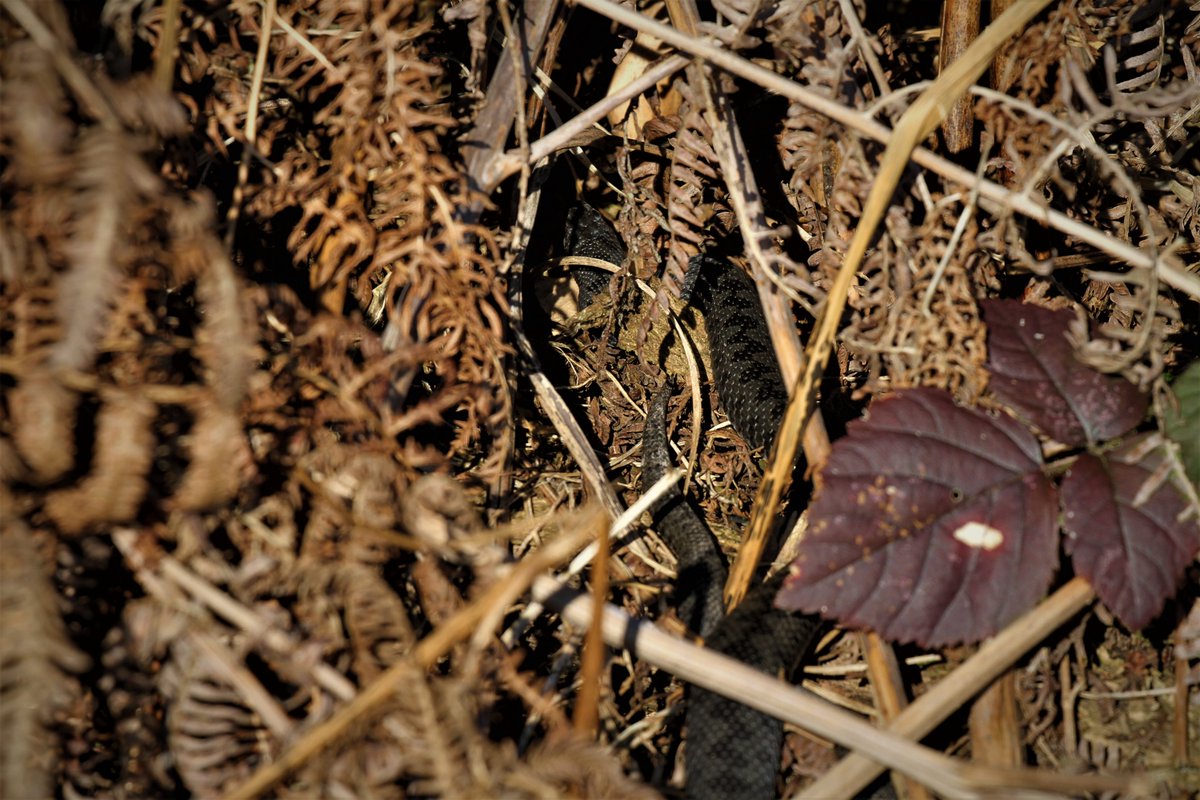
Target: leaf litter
264 433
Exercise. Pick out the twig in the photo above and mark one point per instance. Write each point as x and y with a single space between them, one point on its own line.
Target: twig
1003 62
731 678
1068 693
594 657
855 772
562 136
886 686
256 82
1179 726
553 405
863 42
305 44
573 436
843 669
960 26
996 734
168 50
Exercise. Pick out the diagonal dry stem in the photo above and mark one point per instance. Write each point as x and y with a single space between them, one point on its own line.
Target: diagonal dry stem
994 657
947 776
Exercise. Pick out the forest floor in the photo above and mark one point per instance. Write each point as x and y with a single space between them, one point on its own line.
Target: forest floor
313 473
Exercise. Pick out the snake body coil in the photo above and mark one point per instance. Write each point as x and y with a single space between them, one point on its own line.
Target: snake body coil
745 371
733 750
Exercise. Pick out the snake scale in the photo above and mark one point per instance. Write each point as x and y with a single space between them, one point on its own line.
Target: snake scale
732 750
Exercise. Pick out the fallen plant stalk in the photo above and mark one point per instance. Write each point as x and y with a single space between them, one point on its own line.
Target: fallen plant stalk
994 657
948 777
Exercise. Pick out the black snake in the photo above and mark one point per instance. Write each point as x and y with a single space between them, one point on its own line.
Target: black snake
733 750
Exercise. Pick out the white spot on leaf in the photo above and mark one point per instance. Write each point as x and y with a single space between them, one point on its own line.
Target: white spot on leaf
976 534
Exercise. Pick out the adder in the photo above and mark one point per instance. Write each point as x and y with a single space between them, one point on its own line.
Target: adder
732 750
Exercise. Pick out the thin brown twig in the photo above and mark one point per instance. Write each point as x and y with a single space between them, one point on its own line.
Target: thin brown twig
855 772
960 26
251 131
587 705
943 774
886 683
168 49
562 136
1179 724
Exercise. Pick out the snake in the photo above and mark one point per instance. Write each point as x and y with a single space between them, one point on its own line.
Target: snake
733 751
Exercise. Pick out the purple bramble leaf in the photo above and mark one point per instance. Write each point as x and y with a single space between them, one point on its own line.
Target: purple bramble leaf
932 523
1035 372
1132 549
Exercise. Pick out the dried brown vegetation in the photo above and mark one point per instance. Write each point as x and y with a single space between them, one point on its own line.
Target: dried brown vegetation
267 445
